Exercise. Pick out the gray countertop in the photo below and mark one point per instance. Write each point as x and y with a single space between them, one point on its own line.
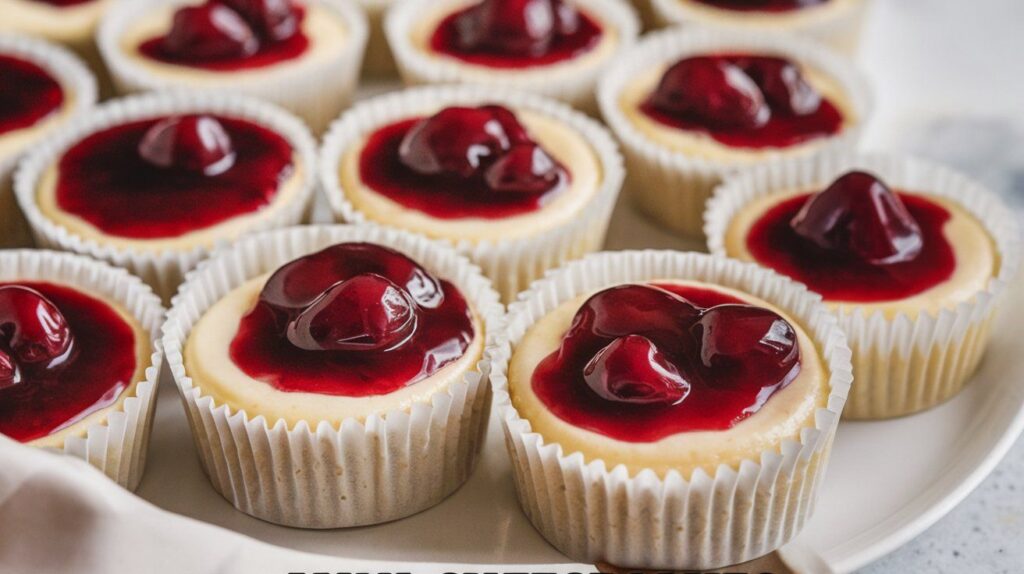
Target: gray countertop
950 85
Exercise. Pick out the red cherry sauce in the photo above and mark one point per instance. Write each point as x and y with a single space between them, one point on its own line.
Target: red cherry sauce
62 3
28 94
100 367
562 47
842 277
762 5
718 391
782 129
267 54
381 168
263 346
104 180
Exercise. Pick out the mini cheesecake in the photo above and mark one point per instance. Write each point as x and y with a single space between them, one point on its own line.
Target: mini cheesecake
691 107
517 182
302 56
556 48
911 258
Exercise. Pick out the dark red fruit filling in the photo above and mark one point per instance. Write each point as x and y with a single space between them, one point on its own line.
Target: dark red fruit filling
763 5
743 101
355 319
63 356
462 162
643 362
516 33
166 177
28 94
856 241
231 35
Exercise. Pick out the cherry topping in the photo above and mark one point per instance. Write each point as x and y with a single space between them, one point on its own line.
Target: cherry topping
860 216
32 328
272 20
632 370
486 144
516 27
10 375
209 31
365 313
782 84
299 283
194 143
711 90
747 337
657 314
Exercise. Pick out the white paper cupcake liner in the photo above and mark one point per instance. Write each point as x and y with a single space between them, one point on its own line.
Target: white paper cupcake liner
78 83
378 63
117 446
906 363
595 511
569 82
316 475
671 187
512 264
164 270
837 25
313 89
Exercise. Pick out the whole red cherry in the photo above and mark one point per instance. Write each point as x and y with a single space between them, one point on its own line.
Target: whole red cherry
526 168
858 215
515 27
194 143
456 141
754 338
632 370
630 310
209 32
272 20
365 313
32 328
783 85
712 91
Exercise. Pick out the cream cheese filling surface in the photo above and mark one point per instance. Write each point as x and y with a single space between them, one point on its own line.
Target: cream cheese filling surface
559 140
977 260
326 32
208 362
71 24
205 237
792 18
421 32
783 416
701 145
143 359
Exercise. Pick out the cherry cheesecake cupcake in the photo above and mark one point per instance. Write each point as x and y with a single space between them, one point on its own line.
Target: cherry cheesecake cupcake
302 55
79 362
667 410
45 87
691 106
834 22
517 182
913 258
556 48
334 376
153 182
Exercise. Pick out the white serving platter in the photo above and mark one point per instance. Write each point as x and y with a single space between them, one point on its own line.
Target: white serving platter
888 481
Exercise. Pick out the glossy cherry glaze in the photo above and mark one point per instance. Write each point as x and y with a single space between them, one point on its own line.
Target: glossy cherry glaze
853 243
516 33
742 100
763 5
231 35
107 180
78 359
462 162
28 94
355 319
644 362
